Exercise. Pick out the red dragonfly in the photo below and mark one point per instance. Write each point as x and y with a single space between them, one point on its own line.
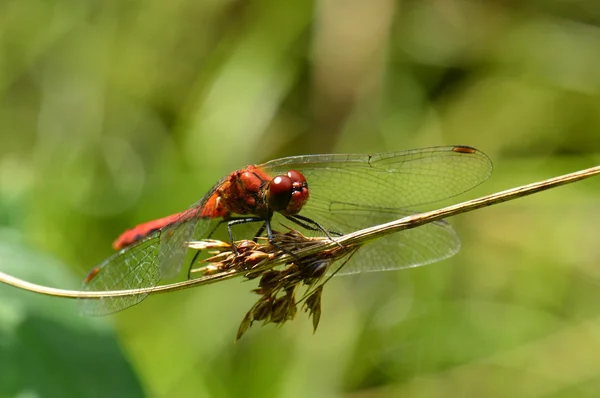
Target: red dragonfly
321 194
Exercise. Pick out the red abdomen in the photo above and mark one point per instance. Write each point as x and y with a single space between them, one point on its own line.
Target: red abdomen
142 230
212 209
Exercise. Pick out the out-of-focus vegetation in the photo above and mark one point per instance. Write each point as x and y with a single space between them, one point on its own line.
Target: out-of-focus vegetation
118 112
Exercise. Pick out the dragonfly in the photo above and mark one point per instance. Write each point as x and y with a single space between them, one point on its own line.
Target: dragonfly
322 195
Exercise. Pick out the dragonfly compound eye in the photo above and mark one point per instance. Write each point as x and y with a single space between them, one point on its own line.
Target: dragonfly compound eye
297 178
279 193
299 192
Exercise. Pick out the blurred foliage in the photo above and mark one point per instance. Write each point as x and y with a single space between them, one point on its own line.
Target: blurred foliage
113 113
46 349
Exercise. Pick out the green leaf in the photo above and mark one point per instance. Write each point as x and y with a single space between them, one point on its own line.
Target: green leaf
46 348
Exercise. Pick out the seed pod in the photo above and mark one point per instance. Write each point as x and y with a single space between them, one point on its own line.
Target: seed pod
315 269
246 323
279 313
254 258
262 310
212 269
269 278
313 306
245 245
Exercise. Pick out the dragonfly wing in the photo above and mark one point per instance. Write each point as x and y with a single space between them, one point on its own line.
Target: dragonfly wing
131 268
392 180
351 192
405 249
174 239
413 247
145 263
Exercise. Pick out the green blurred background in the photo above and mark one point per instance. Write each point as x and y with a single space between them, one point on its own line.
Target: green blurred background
117 112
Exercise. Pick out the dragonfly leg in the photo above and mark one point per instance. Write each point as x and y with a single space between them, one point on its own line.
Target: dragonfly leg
267 226
189 273
260 231
230 222
312 225
241 220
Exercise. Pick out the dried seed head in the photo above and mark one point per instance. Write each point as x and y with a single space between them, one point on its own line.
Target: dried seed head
246 323
281 310
205 244
213 269
245 245
313 306
262 310
217 258
277 286
316 269
254 258
269 278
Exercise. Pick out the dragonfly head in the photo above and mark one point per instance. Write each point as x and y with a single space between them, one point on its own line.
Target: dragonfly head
287 193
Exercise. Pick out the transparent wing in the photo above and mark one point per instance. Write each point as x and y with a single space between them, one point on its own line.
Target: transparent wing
131 268
405 249
174 238
409 248
351 192
143 264
386 181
